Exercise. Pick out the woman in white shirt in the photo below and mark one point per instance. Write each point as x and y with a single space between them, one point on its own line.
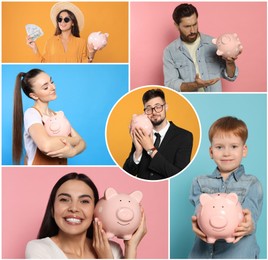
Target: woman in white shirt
68 229
41 148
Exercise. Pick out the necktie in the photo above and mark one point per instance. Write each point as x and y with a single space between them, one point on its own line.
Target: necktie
157 140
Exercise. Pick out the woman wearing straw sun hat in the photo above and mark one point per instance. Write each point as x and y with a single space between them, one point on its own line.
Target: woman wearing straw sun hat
65 45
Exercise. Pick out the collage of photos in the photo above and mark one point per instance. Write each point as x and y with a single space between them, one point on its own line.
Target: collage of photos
134 129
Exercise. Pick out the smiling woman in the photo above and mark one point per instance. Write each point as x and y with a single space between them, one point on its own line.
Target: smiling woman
48 137
68 229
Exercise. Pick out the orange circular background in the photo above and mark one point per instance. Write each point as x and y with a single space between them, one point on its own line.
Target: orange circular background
180 112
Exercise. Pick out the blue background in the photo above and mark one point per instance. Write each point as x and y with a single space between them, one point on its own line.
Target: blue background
251 108
86 94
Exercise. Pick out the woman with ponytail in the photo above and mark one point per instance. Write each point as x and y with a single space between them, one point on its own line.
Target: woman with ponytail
42 146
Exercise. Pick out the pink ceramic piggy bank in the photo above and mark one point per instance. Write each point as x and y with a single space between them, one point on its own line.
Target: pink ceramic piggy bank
120 214
143 122
57 125
98 40
219 215
229 45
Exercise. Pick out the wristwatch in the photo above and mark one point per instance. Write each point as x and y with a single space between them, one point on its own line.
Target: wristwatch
150 151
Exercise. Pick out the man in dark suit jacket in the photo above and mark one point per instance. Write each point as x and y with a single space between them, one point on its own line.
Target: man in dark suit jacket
153 161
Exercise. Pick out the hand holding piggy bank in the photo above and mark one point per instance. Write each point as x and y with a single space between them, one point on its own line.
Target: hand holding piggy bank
141 121
120 214
229 45
219 215
98 40
57 125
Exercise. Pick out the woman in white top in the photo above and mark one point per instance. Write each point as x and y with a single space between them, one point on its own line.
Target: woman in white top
68 229
41 148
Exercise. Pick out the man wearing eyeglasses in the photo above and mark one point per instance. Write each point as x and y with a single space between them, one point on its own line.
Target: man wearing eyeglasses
164 153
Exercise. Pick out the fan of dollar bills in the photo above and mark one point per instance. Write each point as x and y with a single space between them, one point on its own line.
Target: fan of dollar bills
34 31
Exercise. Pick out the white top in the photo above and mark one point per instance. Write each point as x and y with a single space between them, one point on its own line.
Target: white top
162 133
45 248
31 116
192 48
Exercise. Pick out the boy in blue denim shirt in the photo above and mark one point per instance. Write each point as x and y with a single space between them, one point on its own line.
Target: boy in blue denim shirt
228 137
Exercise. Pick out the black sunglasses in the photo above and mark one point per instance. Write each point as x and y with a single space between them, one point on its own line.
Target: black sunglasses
66 19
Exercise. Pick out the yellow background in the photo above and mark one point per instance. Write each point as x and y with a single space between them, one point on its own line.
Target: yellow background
110 17
180 112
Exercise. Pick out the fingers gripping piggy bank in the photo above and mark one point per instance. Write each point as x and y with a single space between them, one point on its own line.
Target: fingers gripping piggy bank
141 121
219 215
229 45
98 40
57 125
120 214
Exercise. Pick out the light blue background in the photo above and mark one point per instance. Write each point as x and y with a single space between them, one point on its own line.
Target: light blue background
251 108
86 94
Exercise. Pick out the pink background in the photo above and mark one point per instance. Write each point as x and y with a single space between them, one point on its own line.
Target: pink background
26 192
152 29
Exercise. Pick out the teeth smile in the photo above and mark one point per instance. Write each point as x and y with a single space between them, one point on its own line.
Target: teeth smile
73 220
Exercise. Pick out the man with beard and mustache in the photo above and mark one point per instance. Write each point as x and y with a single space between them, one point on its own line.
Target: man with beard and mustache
153 157
190 62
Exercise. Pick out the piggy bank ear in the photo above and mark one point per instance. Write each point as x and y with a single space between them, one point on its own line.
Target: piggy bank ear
60 114
137 195
233 197
106 34
109 193
214 40
204 198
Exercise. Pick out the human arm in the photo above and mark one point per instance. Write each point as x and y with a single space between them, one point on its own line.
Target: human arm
48 144
73 146
131 164
246 227
173 75
131 245
197 230
252 206
91 52
197 84
32 44
174 153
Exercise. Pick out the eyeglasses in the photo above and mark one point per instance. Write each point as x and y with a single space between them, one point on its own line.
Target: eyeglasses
66 19
149 110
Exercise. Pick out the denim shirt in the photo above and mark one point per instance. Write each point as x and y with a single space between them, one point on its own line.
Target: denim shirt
250 194
179 66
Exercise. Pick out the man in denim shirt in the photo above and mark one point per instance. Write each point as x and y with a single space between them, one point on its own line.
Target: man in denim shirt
228 146
191 62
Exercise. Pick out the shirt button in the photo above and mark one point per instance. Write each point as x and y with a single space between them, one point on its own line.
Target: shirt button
151 174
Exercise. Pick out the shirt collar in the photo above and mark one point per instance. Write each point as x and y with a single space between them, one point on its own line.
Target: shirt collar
236 174
163 131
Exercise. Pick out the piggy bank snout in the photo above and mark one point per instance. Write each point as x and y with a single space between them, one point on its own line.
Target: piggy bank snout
125 214
218 221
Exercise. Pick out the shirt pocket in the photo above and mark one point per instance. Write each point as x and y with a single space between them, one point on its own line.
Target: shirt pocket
213 66
209 190
184 70
240 192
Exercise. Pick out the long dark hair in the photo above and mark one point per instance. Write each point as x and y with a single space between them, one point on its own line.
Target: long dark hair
49 227
24 82
75 28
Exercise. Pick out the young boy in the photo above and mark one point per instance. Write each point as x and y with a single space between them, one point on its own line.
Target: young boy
228 137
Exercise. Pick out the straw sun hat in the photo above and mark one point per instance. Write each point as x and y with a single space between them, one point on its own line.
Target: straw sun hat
58 7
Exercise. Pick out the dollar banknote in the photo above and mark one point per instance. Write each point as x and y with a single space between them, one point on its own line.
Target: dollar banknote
34 31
